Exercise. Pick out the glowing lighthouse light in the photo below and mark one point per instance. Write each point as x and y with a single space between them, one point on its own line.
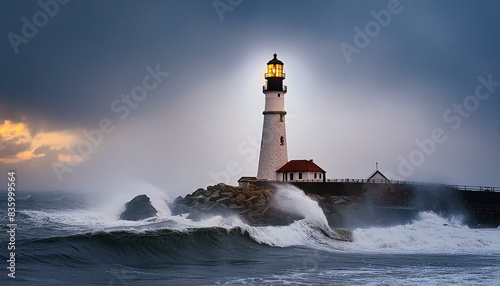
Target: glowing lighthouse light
275 68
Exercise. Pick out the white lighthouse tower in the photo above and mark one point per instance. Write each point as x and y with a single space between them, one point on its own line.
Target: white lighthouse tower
273 151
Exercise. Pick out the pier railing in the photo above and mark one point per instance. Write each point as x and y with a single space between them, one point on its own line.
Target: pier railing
477 188
382 181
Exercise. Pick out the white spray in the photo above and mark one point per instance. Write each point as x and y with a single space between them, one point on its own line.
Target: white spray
291 199
429 233
111 201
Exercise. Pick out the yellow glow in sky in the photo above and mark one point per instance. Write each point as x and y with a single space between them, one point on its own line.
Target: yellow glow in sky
19 134
18 131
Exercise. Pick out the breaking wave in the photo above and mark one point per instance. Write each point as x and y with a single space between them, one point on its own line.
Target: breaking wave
429 233
78 236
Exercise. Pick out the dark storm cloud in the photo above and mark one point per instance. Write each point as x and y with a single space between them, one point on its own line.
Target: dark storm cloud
427 59
91 52
434 40
9 148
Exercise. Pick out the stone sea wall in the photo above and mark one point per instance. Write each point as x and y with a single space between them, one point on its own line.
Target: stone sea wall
390 203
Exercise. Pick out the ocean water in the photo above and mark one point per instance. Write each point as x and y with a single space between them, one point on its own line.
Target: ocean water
71 239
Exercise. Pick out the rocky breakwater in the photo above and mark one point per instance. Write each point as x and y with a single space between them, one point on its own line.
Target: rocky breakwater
257 205
253 204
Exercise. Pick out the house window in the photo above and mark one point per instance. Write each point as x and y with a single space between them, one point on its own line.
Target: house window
291 176
300 176
281 117
320 175
279 95
315 175
282 140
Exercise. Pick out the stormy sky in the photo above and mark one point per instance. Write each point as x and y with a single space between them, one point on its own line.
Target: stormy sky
99 95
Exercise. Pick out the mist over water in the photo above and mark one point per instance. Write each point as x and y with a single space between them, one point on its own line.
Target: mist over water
110 200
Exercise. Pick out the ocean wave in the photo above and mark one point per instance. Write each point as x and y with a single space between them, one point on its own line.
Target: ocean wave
174 237
163 246
89 237
429 233
179 241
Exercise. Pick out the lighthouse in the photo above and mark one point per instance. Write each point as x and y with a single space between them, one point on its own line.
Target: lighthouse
273 161
273 150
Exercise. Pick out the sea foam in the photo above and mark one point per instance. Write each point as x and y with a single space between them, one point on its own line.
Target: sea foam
429 233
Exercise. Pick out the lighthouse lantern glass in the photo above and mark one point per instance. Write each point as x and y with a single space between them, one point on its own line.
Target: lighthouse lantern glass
274 70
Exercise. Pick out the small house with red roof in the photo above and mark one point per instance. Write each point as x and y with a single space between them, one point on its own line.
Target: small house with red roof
301 170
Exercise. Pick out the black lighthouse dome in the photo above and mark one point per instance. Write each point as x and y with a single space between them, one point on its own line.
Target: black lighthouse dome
275 60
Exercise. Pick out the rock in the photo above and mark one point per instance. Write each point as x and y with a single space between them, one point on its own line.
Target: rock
252 198
227 194
262 201
244 212
224 201
138 208
240 198
180 209
235 207
179 206
211 208
249 193
258 206
339 201
194 214
215 196
198 192
252 204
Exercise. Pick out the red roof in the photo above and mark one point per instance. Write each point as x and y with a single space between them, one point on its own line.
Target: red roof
300 166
